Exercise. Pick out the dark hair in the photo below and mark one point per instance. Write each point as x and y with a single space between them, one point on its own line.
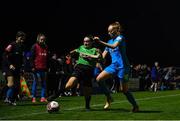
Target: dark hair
90 37
20 34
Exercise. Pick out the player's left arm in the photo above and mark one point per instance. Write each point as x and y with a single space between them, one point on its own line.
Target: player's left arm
73 51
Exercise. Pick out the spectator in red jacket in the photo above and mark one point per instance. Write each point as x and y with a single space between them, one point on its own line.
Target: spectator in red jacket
39 61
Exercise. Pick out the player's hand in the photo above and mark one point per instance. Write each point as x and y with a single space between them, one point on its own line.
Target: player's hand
33 69
96 39
83 55
11 67
4 73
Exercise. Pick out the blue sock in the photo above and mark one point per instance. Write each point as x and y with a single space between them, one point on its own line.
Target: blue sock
9 92
34 86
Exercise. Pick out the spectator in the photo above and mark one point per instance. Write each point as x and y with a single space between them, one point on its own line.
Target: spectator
40 62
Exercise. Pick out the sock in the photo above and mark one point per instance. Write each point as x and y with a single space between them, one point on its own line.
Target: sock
130 98
9 92
87 101
4 91
14 94
34 87
103 87
155 87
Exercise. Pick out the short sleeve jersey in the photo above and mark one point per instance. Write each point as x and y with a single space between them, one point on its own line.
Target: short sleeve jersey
118 54
85 61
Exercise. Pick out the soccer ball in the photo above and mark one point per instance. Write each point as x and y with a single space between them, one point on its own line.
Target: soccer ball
53 106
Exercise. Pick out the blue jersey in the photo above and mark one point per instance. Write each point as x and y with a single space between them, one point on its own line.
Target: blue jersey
154 73
118 54
120 64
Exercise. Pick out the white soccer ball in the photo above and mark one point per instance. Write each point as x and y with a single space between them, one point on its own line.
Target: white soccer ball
53 106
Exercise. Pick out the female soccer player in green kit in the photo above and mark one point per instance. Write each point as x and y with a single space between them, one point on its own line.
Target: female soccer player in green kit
84 70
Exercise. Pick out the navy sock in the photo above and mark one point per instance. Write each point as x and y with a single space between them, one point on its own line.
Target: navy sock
87 100
104 88
130 98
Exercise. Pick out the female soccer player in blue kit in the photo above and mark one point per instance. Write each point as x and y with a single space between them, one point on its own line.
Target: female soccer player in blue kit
119 66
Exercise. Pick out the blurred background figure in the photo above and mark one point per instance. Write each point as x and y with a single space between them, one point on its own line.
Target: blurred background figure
13 60
155 76
39 52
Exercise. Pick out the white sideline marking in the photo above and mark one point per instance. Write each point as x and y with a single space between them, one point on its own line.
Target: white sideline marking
81 107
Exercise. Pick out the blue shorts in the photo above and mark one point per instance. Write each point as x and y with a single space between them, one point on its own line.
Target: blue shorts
96 72
121 72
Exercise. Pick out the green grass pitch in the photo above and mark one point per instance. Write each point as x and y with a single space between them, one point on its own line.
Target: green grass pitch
162 105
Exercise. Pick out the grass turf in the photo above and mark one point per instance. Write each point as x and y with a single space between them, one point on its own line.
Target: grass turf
162 105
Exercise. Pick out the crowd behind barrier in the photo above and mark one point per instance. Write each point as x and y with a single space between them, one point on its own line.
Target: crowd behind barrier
140 79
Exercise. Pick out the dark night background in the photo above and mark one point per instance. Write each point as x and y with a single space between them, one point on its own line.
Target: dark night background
150 26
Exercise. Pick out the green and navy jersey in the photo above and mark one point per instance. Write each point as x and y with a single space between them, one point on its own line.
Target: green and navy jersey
84 61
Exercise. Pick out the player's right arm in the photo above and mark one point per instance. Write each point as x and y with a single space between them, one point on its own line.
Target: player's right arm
73 51
104 54
7 53
114 45
33 51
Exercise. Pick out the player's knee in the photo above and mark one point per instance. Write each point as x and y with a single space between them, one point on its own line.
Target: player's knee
97 79
10 83
87 91
125 91
67 86
70 84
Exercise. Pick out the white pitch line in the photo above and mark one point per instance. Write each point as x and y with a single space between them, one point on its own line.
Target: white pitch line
81 107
